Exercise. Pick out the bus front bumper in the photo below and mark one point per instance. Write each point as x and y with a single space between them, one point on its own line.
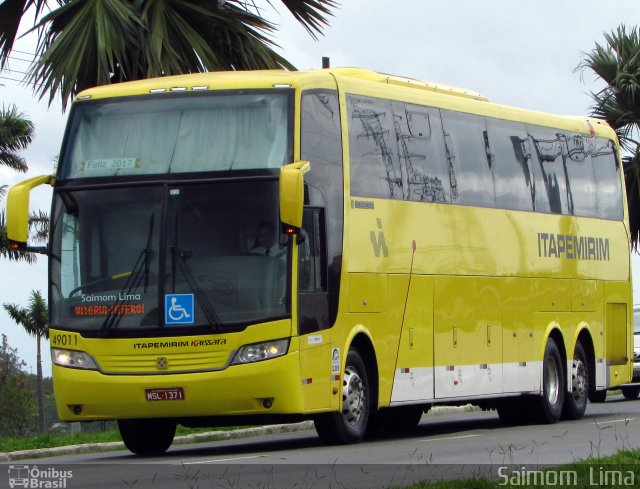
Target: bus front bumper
84 395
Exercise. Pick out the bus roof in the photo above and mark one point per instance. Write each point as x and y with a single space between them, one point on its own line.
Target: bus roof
264 78
326 78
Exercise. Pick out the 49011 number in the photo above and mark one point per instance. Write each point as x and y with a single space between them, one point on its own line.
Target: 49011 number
64 340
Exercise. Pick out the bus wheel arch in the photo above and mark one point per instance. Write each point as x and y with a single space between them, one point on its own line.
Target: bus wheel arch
359 384
363 344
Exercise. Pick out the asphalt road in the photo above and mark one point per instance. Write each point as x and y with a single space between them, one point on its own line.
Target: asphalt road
441 447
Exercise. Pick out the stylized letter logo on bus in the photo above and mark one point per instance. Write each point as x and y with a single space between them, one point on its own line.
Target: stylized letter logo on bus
378 241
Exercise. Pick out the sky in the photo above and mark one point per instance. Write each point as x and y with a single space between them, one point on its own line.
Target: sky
522 53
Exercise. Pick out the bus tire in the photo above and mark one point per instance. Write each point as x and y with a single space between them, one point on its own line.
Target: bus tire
575 404
350 424
547 408
147 436
514 411
397 419
631 393
597 396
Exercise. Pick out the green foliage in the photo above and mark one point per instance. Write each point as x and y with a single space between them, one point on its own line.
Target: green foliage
92 432
587 472
16 133
94 42
17 409
617 63
34 318
35 321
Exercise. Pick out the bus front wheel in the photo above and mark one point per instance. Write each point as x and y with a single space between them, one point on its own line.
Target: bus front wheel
350 424
147 436
548 407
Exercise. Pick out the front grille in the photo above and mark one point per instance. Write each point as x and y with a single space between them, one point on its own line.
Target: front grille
157 363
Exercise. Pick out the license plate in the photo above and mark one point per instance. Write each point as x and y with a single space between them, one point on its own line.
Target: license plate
165 394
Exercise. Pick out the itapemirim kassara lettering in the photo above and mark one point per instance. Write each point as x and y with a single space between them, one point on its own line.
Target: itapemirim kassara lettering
178 344
572 247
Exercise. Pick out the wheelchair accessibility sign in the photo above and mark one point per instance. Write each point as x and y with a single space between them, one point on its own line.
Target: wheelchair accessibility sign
179 309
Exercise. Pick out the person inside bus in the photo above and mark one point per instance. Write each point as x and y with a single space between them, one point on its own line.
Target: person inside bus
267 241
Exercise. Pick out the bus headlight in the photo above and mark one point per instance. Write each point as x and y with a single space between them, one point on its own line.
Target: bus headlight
261 351
73 359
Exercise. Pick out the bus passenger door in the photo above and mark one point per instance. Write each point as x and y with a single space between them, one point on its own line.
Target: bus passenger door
316 354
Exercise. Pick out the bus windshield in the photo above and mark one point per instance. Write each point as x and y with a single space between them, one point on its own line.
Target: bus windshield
168 256
178 133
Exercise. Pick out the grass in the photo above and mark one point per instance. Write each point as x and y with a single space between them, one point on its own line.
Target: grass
619 470
49 440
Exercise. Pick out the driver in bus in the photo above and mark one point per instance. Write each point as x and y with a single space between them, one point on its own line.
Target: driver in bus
266 241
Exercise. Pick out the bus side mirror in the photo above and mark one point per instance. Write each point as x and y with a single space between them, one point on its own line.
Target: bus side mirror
18 211
292 192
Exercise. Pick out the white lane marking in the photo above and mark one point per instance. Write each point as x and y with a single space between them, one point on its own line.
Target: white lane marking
450 438
222 460
625 420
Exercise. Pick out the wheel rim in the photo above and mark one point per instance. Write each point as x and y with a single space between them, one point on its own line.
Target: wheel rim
552 380
579 374
353 396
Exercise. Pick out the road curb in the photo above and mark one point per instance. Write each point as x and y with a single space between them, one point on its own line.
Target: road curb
179 440
198 437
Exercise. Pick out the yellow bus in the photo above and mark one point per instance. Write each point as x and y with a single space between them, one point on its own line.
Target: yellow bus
337 245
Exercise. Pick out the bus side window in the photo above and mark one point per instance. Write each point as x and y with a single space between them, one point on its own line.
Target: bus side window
422 153
373 149
548 166
579 170
513 176
311 252
465 138
313 306
606 170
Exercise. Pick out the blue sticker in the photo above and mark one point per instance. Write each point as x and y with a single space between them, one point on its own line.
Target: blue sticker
178 309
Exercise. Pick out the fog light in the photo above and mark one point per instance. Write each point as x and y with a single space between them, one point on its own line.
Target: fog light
76 409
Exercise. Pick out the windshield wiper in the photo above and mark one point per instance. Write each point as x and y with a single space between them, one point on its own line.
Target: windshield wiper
192 282
181 257
139 271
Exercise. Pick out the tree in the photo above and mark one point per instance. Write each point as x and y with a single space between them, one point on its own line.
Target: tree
17 411
35 320
16 133
83 43
618 64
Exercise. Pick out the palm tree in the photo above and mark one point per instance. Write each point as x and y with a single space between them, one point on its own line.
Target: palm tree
84 43
16 133
35 320
618 64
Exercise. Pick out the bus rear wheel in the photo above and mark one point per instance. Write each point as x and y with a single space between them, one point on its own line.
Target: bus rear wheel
597 396
631 393
575 404
350 424
514 411
397 419
548 407
147 436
